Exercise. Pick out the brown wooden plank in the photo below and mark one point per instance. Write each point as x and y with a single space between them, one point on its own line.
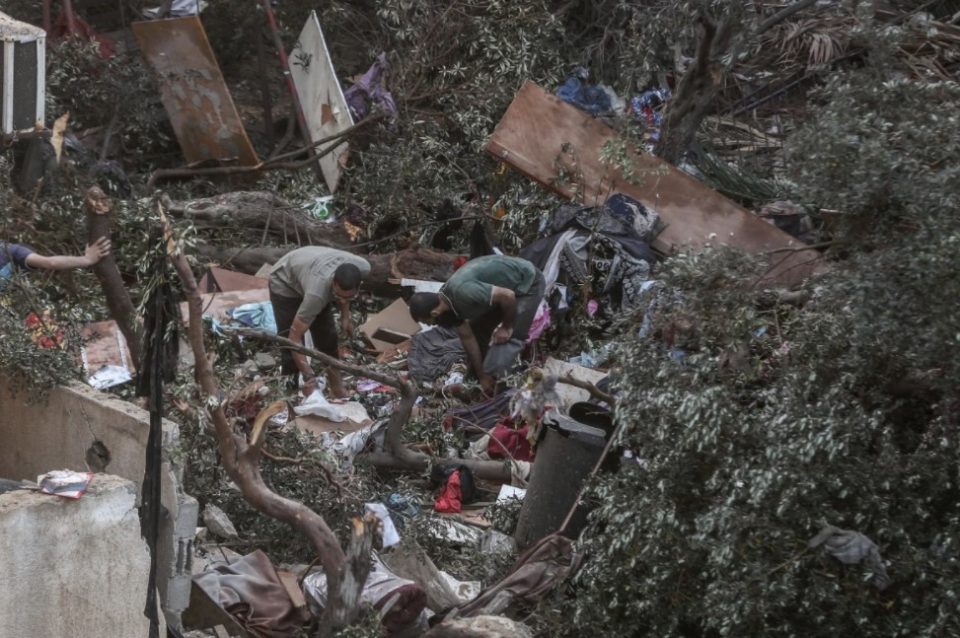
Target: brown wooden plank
540 132
193 92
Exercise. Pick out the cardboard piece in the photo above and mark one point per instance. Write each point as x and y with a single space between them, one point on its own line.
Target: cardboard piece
223 280
104 350
216 304
356 414
289 580
264 271
389 327
540 133
570 394
325 109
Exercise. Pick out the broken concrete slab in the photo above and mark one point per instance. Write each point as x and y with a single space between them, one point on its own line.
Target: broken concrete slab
324 108
73 567
62 432
540 135
218 523
193 92
390 327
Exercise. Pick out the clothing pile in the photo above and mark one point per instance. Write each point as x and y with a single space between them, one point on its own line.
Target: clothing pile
606 246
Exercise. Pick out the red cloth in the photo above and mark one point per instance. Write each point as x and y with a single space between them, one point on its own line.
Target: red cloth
459 261
511 438
450 500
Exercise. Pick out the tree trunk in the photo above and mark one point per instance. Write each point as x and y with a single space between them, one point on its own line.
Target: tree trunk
118 299
696 92
262 212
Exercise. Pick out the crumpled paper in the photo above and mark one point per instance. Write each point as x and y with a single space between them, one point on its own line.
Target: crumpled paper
318 405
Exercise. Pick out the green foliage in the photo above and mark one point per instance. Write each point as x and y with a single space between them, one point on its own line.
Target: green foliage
843 412
897 141
780 419
95 90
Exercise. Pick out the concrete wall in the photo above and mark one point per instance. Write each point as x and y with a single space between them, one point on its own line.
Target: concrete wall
60 433
73 567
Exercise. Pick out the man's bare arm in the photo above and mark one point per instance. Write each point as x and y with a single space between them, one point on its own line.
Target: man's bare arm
297 330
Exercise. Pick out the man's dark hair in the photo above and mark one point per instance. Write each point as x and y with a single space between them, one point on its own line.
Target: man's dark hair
347 276
421 304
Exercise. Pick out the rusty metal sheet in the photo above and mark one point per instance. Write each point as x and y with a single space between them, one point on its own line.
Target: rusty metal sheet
321 98
541 136
193 92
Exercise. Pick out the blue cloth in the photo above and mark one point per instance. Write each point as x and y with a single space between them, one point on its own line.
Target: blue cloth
590 98
12 258
255 315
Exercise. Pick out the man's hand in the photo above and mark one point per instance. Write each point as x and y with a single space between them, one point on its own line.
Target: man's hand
502 334
488 384
97 251
346 324
309 385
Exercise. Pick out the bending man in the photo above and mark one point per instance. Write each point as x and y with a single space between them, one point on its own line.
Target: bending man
492 301
302 286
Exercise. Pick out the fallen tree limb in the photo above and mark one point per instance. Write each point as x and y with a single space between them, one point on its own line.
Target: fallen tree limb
262 212
594 391
242 460
271 164
398 455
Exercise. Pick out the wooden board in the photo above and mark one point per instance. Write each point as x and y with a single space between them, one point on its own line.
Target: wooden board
540 132
324 107
193 92
393 323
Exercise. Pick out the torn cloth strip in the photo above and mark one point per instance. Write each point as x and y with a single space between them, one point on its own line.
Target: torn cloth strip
370 89
250 590
433 353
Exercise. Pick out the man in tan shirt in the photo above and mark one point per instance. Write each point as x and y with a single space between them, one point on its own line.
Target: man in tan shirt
302 285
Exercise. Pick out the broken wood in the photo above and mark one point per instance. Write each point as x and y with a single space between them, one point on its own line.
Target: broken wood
242 460
121 308
542 136
594 391
274 163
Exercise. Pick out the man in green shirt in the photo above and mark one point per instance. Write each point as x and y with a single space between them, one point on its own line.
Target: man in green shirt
302 285
492 302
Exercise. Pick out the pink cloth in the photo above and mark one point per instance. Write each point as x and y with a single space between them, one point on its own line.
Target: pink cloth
541 321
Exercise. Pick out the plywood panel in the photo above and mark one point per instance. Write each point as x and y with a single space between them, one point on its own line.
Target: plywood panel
193 92
540 135
324 107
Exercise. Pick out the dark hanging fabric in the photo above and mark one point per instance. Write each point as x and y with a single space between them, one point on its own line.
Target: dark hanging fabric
161 317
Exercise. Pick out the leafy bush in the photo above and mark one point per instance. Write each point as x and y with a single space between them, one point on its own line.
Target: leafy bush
777 420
